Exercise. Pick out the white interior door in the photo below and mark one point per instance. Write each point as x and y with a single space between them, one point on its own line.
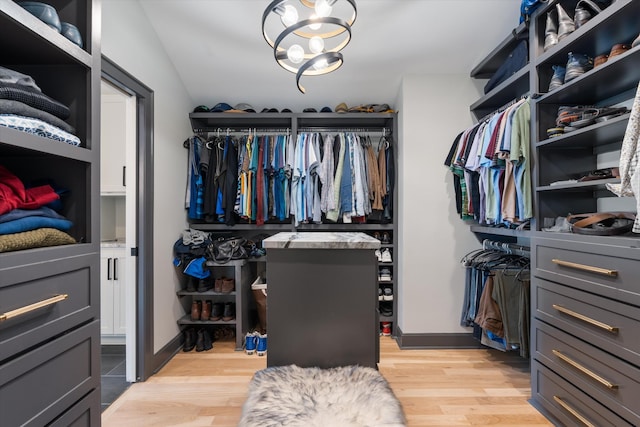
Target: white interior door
119 175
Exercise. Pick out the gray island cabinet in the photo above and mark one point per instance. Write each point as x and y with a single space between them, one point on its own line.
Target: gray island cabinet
322 299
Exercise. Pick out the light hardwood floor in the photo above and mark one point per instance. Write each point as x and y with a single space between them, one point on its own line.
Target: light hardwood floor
478 387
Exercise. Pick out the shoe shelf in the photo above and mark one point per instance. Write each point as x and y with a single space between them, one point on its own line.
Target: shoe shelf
597 135
614 77
241 271
184 293
186 320
615 24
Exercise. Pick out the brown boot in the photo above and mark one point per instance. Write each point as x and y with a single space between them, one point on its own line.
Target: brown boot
206 310
228 285
217 285
195 310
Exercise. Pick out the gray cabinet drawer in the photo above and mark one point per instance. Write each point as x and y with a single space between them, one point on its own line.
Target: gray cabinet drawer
606 378
85 413
610 325
38 386
33 283
606 270
567 403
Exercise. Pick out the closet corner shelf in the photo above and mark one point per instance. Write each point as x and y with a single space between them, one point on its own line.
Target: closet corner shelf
490 64
498 231
184 293
580 186
512 88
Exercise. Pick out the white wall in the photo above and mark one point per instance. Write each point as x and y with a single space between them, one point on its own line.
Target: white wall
432 238
129 40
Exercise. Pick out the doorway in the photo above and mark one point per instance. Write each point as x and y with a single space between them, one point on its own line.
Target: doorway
128 195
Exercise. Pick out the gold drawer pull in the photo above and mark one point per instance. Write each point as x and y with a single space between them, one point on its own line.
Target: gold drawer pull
573 412
28 308
584 370
608 328
589 268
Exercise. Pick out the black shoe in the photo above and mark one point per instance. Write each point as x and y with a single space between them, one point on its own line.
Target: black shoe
229 312
204 340
191 284
189 339
204 285
386 308
200 340
217 311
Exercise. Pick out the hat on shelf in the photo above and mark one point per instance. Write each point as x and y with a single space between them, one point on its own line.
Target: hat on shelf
220 107
71 32
201 109
44 12
242 108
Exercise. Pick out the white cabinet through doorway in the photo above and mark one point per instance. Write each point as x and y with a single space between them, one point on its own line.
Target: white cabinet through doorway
112 292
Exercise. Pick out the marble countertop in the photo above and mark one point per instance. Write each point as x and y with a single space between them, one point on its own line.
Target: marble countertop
321 240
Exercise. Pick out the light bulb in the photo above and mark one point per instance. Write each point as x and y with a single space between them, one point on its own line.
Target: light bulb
320 64
295 53
322 8
290 15
316 44
317 25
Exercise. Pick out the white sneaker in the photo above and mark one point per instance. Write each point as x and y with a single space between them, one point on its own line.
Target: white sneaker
385 255
379 255
387 293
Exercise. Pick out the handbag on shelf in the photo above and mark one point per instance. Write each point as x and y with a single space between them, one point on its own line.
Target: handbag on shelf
527 7
225 249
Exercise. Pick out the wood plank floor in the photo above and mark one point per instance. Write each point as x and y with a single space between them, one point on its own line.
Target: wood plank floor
479 387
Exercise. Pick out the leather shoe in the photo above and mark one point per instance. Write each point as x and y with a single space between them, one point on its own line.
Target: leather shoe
217 286
203 342
189 339
228 285
229 312
196 308
600 59
206 310
217 310
618 49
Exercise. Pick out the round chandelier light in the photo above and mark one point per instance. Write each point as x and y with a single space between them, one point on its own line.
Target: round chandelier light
307 35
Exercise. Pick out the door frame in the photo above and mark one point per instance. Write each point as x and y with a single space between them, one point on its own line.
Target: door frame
146 362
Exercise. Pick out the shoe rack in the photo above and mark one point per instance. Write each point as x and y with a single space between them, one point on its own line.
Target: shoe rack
386 283
205 299
578 371
50 296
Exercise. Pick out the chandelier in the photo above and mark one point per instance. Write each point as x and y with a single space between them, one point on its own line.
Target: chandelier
308 35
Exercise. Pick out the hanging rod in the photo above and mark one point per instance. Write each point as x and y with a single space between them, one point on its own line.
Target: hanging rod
504 107
384 131
229 130
506 247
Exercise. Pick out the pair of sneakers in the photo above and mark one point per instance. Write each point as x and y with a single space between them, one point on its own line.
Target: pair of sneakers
384 255
255 342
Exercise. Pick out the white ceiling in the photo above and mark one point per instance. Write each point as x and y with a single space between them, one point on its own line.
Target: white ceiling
219 52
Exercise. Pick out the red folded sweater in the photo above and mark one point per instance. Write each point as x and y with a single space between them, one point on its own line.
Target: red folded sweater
13 194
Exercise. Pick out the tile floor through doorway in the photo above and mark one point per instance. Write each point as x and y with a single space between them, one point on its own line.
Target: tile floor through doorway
113 374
